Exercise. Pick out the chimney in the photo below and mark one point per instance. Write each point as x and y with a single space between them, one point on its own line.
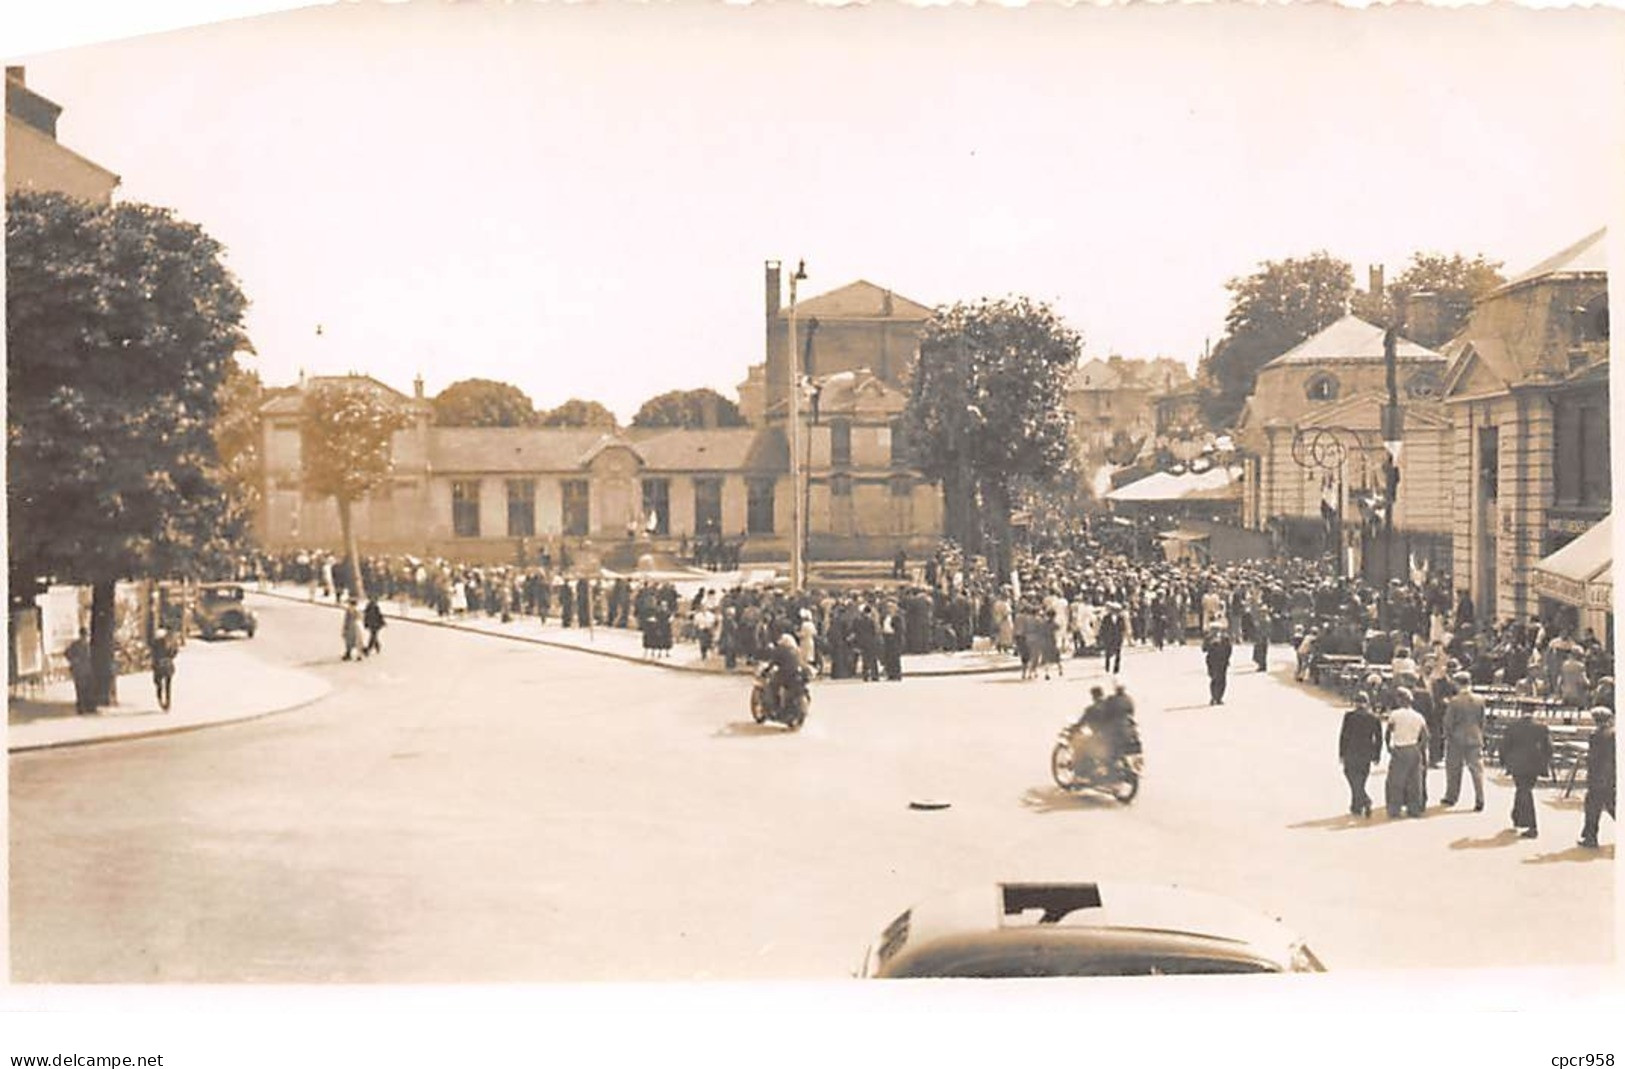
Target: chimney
417 387
1375 285
772 290
885 303
1424 319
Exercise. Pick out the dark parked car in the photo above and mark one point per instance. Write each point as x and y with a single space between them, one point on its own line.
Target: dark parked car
1083 929
220 608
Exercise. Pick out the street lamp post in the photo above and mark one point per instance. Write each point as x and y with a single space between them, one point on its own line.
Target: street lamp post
793 400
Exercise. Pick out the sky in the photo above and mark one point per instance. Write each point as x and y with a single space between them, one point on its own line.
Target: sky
579 199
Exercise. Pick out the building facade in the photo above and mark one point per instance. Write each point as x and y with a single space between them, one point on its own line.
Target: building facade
1528 393
35 160
1312 432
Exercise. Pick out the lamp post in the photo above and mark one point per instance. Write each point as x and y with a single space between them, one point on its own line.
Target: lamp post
793 400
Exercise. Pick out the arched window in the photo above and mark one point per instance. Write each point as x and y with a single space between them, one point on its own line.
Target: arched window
1423 386
1322 387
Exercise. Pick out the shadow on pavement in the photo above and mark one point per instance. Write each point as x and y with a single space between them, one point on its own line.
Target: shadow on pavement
1573 853
1053 800
1343 822
1504 837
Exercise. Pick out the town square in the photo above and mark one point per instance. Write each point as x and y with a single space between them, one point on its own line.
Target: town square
537 499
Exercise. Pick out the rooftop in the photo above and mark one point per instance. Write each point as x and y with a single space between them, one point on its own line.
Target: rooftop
1351 338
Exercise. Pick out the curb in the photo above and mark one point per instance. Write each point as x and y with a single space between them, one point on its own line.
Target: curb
938 673
177 729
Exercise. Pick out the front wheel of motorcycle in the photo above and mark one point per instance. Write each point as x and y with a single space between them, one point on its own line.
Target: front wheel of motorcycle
1127 786
758 705
1060 767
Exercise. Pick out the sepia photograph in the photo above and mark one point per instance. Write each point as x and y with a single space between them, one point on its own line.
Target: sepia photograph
1057 505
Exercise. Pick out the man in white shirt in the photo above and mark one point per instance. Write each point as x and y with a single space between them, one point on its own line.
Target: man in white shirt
1406 736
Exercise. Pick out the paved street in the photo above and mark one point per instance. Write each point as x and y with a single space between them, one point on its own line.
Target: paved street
468 808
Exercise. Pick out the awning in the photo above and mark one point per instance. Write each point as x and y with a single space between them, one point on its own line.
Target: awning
1184 536
1218 483
1581 573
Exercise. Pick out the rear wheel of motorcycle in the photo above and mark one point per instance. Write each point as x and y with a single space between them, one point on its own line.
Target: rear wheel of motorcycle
798 713
1127 787
758 705
1060 767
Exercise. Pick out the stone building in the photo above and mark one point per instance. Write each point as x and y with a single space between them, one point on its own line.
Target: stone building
1527 389
1116 399
1312 432
35 159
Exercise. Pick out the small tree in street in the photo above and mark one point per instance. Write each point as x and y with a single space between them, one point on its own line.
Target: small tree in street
120 326
345 451
237 440
987 410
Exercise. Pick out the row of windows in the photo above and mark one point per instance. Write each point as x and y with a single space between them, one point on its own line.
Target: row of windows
576 500
1422 386
840 443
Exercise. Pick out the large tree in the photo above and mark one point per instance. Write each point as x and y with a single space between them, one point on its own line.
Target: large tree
987 409
121 322
483 403
1271 310
1454 283
578 413
237 441
689 409
344 444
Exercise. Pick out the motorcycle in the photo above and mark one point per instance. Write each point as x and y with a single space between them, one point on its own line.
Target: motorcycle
1082 760
765 706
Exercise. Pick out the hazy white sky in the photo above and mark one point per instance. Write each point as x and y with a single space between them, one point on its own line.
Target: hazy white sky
578 199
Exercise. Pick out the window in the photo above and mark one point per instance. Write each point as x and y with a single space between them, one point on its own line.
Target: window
465 508
657 503
759 505
840 442
1423 386
1322 387
1593 320
899 443
902 486
521 508
840 485
1595 490
708 506
576 498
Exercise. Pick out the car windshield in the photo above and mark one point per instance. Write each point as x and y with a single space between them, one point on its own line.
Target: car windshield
229 593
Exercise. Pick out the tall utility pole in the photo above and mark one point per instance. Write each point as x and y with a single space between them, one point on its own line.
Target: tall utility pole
793 400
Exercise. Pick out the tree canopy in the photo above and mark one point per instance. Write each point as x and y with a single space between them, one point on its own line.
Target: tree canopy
1454 282
689 409
483 403
1271 310
121 322
987 410
578 413
237 440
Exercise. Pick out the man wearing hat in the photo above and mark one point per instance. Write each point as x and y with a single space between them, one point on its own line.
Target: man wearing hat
1217 649
1464 742
1358 747
1526 754
1599 775
1111 637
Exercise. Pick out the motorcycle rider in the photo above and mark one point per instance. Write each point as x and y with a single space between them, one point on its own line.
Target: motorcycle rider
783 668
1121 729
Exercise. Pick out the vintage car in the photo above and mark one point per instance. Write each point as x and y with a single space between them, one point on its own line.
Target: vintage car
1083 929
220 608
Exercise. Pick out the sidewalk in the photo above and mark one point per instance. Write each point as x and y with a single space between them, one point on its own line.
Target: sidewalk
626 644
215 683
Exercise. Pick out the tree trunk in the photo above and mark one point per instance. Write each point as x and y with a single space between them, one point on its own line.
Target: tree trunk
959 510
103 648
352 555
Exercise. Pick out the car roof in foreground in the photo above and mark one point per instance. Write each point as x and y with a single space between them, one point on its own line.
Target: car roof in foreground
1112 916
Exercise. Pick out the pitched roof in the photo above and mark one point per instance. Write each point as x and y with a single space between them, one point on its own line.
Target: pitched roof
290 399
717 449
1349 339
1218 483
1588 256
860 300
477 449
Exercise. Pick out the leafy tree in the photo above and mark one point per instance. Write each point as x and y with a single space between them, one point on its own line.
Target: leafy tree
237 441
344 444
987 411
121 322
578 413
1271 310
483 403
690 409
1454 282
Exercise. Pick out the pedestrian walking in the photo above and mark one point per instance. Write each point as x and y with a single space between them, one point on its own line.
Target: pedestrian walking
372 618
1526 754
891 641
1407 737
351 629
1599 775
1111 637
163 651
1261 640
1359 744
1464 742
79 667
1216 649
